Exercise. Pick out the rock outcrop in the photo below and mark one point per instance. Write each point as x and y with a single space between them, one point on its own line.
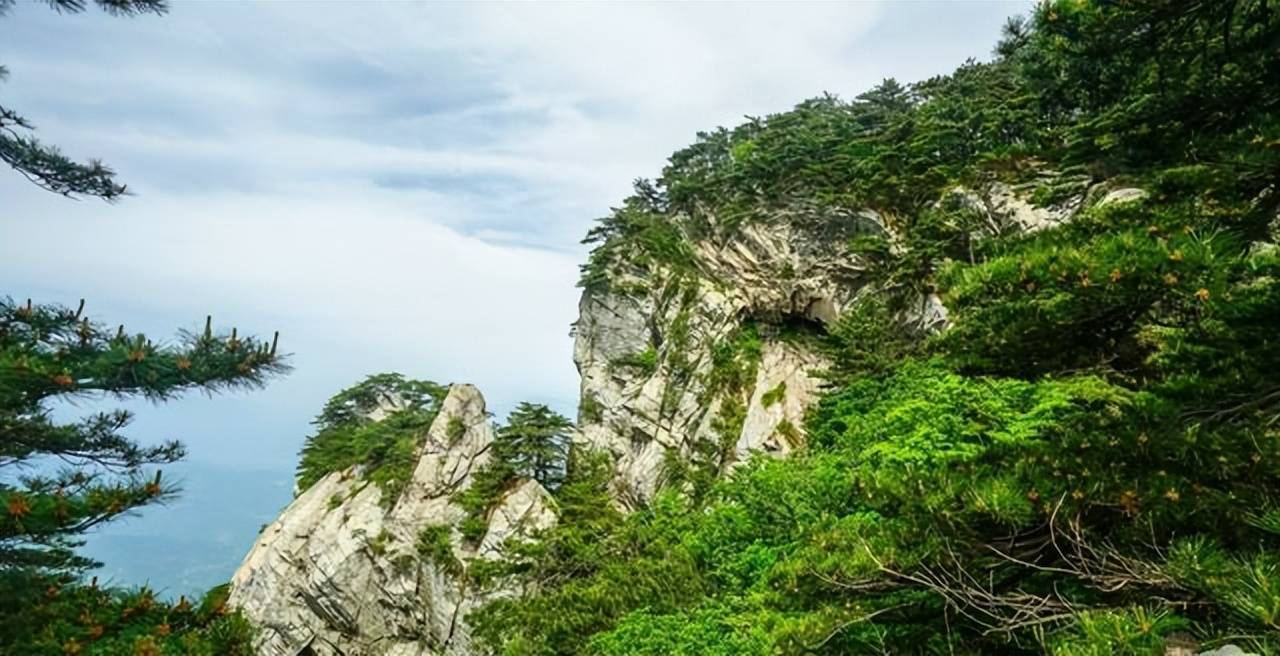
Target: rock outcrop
344 571
698 365
651 347
655 349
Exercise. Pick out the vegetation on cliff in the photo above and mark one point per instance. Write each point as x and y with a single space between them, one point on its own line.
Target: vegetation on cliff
379 427
378 424
1087 461
533 444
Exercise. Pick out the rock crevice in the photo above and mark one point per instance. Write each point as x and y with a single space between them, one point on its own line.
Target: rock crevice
700 364
339 573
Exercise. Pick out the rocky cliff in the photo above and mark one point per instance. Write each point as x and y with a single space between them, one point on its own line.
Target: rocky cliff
682 370
667 375
704 367
685 370
343 572
1079 459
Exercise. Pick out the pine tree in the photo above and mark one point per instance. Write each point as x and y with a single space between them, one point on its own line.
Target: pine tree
1085 461
59 479
43 164
48 352
535 443
886 99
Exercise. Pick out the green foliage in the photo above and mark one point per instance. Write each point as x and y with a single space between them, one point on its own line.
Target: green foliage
774 395
1253 591
704 632
581 560
378 543
789 433
734 361
914 474
113 7
893 148
1084 462
590 410
55 616
645 362
869 340
534 444
1135 631
378 424
436 546
455 430
1163 84
486 489
43 164
639 234
50 353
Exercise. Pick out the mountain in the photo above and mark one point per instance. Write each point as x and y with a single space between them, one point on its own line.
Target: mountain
983 364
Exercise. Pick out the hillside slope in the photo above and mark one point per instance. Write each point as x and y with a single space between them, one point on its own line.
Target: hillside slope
1014 329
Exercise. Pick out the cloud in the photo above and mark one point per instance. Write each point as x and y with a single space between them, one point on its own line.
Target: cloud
401 185
570 100
355 283
393 186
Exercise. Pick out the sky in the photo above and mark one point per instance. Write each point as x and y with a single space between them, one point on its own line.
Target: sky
392 186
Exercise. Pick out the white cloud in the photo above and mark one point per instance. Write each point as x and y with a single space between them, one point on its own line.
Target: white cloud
372 179
355 283
362 176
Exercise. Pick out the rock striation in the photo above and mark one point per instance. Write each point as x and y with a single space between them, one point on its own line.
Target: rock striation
342 571
699 365
655 348
651 346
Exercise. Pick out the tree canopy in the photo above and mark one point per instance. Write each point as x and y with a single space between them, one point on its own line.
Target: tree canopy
379 425
535 443
1084 462
50 352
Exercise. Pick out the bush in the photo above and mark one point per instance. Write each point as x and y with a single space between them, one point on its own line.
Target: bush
55 616
1086 461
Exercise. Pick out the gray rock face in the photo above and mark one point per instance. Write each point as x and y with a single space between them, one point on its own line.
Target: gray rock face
700 366
1123 195
784 388
779 273
646 347
1006 210
341 573
1227 650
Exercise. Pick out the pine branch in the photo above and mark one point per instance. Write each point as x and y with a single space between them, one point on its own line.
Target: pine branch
50 169
45 165
49 351
113 7
50 510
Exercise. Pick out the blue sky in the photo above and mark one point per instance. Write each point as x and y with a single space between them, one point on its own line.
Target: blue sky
393 186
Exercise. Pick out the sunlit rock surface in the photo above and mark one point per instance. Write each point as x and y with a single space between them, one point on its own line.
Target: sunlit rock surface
339 572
